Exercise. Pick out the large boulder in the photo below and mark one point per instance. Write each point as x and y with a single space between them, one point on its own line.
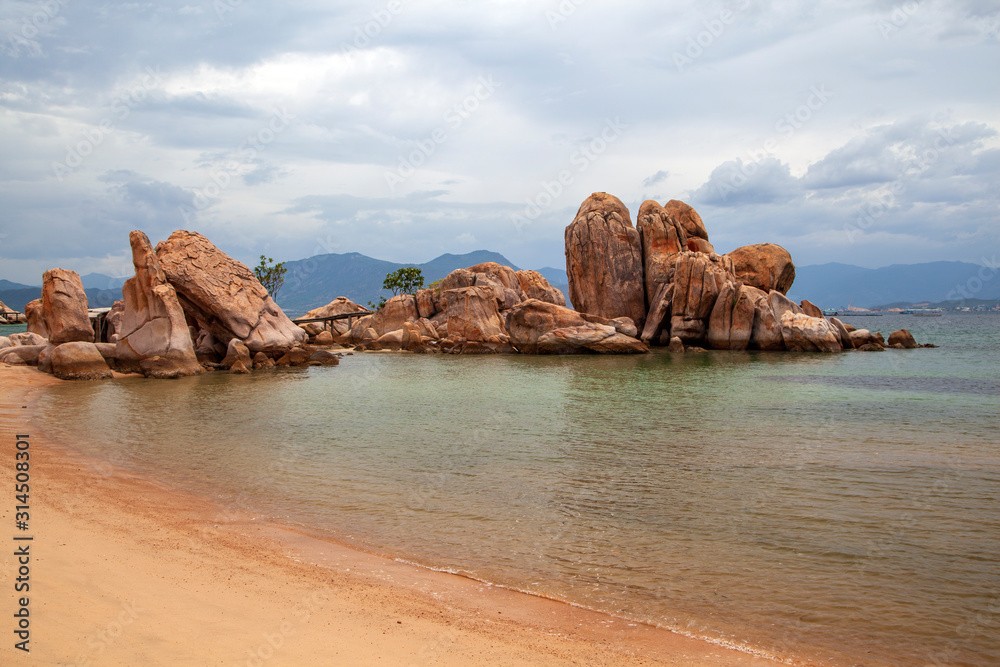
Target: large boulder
26 338
698 281
21 355
395 313
730 327
504 275
224 294
339 306
845 335
64 307
658 316
79 361
152 323
473 315
692 224
535 286
36 318
803 333
538 327
766 266
766 334
604 260
902 338
663 238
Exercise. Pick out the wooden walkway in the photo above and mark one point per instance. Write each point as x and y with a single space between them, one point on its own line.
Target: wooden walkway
328 321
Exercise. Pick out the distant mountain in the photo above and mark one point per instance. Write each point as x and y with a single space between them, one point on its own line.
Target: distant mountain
102 282
839 285
317 281
558 279
17 297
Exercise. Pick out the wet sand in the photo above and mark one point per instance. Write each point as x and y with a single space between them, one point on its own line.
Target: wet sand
126 571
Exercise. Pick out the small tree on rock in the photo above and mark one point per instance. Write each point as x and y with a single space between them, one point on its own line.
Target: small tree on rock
270 275
407 280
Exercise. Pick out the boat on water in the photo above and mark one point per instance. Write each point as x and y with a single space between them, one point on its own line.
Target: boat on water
830 312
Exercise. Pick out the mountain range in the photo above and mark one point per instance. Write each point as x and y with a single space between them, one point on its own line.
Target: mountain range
315 281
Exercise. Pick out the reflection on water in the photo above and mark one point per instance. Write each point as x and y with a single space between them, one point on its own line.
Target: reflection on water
841 506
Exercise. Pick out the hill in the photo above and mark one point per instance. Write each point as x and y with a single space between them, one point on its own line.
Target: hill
839 285
316 281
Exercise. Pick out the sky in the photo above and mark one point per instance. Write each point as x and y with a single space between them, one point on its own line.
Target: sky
862 132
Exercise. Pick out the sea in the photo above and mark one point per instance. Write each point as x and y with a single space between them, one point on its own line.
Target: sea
843 508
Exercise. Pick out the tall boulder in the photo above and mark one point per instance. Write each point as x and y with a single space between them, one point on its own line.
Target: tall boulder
394 314
473 315
152 322
766 333
36 318
604 260
535 286
697 235
64 307
224 294
766 266
537 327
663 238
730 326
698 281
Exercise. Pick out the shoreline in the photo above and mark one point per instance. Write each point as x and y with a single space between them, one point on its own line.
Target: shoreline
129 569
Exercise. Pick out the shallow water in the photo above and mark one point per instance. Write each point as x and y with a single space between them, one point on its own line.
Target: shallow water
837 506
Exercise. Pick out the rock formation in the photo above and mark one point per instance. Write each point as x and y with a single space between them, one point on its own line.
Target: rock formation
537 327
730 326
604 260
224 296
79 361
64 307
152 323
535 286
766 266
36 318
698 281
663 237
339 306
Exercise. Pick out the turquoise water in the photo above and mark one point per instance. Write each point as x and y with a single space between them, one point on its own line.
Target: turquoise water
843 507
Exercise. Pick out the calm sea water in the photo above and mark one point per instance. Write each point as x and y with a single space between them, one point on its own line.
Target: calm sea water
845 507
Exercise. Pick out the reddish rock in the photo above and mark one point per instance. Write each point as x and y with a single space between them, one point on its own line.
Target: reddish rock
688 219
394 314
811 309
537 327
114 320
698 280
64 307
339 306
662 239
845 335
803 333
766 334
237 352
36 318
22 355
296 356
152 323
426 303
904 338
473 315
766 266
659 312
604 260
730 326
225 295
535 286
79 361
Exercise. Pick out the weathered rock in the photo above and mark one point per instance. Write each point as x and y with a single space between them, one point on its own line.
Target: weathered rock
357 330
224 294
240 367
696 244
391 340
339 306
730 326
397 311
658 318
473 315
45 359
21 355
324 338
904 338
426 303
698 280
781 304
845 335
413 341
506 298
849 327
676 345
535 286
237 351
870 347
427 328
604 260
766 266
296 356
625 326
324 358
152 322
803 333
663 238
538 327
114 320
811 309
64 307
862 337
26 338
687 217
79 360
109 352
5 342
262 362
766 334
207 349
36 318
504 275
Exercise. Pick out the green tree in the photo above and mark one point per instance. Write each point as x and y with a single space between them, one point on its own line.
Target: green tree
270 275
402 281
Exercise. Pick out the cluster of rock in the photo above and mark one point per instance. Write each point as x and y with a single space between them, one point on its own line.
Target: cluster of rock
487 309
189 307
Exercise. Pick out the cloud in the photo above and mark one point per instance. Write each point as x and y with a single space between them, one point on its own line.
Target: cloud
655 179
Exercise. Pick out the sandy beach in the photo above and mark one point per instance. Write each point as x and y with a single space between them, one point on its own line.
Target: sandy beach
125 571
